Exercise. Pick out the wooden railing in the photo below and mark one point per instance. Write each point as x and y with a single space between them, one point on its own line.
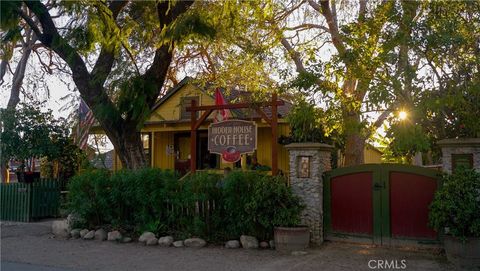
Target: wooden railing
25 202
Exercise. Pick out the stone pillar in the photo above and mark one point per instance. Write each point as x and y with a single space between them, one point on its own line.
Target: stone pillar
460 150
308 162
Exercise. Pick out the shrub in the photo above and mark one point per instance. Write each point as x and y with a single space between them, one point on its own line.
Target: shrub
255 203
211 206
89 197
456 205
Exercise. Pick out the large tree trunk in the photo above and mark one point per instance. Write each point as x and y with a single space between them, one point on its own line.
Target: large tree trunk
354 140
129 149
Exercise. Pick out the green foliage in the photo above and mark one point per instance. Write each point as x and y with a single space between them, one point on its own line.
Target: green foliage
28 132
202 205
304 119
456 205
407 138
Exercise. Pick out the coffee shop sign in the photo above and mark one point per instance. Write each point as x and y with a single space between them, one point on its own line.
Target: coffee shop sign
231 138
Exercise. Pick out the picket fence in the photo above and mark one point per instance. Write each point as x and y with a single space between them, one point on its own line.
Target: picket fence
25 202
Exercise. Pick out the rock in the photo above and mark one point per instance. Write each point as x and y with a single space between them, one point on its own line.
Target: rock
72 219
248 241
299 253
126 240
151 241
263 244
272 244
194 242
165 241
100 235
232 244
178 243
114 236
145 236
89 236
83 232
75 233
60 229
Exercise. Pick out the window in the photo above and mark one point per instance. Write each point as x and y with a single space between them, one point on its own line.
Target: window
147 144
459 160
186 102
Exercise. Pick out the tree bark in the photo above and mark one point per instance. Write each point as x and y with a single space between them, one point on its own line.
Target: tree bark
354 139
120 127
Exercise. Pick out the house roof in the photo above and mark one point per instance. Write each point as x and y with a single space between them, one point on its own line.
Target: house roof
232 95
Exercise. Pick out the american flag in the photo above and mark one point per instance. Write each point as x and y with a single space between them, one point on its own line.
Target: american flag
85 121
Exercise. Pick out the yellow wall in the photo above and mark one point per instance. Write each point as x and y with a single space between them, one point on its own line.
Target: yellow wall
372 156
161 158
171 108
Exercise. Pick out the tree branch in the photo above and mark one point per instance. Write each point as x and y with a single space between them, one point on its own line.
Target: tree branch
324 9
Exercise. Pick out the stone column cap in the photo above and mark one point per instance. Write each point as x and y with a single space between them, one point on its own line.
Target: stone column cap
309 145
459 142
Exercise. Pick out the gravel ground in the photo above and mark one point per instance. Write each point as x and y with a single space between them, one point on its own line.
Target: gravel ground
32 244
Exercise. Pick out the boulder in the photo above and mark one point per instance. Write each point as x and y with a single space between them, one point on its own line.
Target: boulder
248 241
100 235
60 229
178 243
83 232
165 241
114 236
72 219
151 241
126 240
232 244
75 233
89 236
271 243
194 242
145 236
263 244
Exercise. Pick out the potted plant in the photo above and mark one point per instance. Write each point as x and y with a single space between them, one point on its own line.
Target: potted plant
289 234
455 211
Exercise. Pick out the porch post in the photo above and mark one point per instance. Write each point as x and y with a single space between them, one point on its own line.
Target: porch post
193 138
274 126
308 162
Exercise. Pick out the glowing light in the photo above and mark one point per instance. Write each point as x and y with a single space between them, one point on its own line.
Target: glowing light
402 115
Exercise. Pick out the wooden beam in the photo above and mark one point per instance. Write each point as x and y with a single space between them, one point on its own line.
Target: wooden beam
263 115
233 106
274 125
193 138
202 118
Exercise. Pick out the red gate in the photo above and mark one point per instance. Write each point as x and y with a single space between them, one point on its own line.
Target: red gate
384 204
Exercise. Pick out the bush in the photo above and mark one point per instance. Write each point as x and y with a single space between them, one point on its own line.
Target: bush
255 203
456 205
211 206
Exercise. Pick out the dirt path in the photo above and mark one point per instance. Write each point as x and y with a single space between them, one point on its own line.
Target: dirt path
33 244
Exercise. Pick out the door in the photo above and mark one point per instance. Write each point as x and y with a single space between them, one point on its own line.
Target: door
384 204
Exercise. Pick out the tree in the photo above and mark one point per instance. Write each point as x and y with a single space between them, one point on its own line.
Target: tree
30 133
363 38
114 32
445 99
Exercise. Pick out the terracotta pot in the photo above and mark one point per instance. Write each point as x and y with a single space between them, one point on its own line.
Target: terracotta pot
465 255
291 238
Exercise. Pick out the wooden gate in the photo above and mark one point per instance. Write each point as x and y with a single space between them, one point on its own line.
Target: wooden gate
384 204
25 202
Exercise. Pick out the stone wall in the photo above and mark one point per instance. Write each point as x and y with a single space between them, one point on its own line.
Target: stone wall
310 189
459 146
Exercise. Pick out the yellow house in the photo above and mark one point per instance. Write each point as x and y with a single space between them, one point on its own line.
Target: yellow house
166 134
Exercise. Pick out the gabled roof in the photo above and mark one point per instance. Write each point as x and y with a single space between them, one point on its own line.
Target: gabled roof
233 94
172 91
